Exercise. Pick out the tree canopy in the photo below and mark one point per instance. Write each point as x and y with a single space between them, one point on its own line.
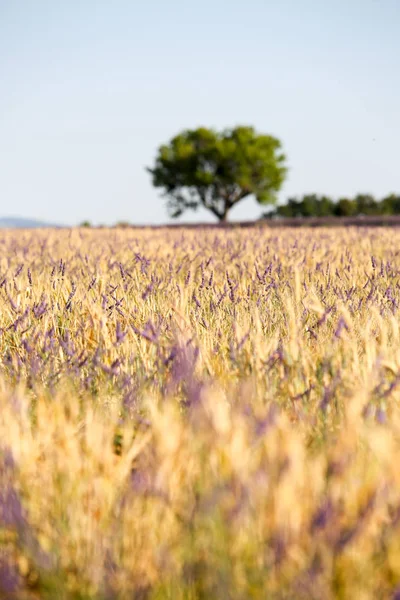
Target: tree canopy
216 170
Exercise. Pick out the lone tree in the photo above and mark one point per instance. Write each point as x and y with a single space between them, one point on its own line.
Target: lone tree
203 167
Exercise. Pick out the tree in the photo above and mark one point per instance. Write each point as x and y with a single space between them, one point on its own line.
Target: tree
288 210
367 205
390 205
316 206
309 205
345 207
293 208
216 170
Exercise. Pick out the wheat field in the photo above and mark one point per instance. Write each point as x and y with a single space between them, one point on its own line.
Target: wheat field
197 414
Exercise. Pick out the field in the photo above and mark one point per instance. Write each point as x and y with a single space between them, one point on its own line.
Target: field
200 414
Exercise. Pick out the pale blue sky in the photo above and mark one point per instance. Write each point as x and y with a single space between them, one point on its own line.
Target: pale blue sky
90 88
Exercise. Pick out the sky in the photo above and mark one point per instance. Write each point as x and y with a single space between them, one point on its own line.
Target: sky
89 89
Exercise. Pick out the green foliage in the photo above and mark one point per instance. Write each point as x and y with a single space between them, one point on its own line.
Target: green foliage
216 170
367 205
390 205
312 205
345 208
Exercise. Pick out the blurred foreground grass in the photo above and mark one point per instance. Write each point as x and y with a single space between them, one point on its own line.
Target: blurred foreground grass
200 415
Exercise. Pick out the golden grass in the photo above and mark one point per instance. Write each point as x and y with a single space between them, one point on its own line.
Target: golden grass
197 414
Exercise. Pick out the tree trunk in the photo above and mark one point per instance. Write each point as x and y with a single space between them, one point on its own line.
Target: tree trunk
223 217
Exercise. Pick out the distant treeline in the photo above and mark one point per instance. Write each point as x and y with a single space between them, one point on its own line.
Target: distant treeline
312 205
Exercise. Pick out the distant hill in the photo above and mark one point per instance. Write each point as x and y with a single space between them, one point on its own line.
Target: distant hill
21 223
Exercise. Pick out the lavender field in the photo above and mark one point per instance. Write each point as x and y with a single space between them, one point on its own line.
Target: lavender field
200 414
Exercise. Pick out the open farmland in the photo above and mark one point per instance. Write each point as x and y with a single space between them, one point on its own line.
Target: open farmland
200 414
